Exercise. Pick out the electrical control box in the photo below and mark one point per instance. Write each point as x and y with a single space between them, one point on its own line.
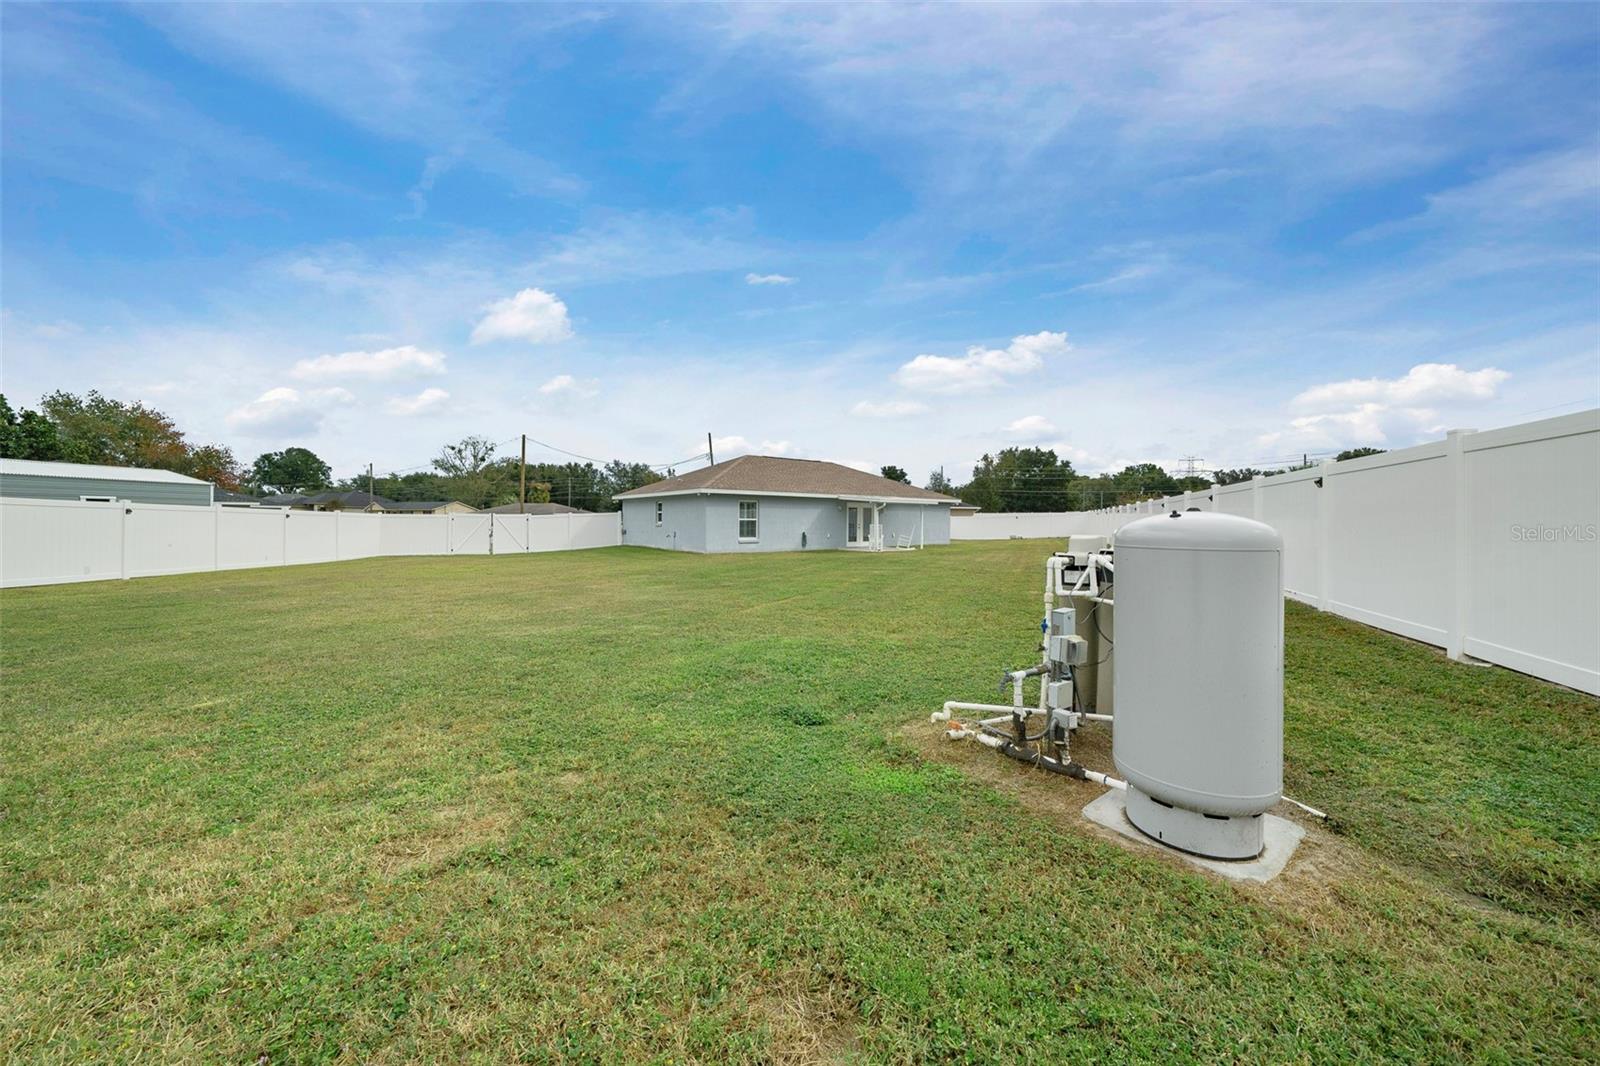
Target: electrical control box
1058 694
1068 649
1063 722
1063 620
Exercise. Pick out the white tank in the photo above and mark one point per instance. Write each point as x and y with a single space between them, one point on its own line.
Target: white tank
1199 678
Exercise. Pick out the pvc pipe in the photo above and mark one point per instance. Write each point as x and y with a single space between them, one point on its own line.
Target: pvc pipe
953 705
1308 809
1086 716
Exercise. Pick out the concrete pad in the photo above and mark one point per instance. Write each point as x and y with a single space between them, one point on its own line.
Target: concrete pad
1282 837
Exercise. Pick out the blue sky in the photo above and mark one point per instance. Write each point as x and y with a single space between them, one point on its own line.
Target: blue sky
865 233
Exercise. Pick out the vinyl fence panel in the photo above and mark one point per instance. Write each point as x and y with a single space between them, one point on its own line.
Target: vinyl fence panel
248 537
422 534
168 539
594 530
360 535
48 542
311 537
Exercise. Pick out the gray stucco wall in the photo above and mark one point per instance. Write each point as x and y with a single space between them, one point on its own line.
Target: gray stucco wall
70 488
711 523
781 521
682 528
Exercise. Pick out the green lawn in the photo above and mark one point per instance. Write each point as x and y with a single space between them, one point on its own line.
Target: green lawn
627 805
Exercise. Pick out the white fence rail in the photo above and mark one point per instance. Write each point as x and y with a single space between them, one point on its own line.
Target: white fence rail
1485 544
48 542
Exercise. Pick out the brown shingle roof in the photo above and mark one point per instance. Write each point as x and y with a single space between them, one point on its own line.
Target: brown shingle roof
756 474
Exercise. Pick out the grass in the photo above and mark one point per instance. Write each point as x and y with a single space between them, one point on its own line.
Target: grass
625 805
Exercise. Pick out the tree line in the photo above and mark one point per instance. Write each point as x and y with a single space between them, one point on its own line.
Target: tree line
94 428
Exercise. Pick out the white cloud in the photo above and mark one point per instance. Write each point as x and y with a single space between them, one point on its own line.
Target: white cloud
532 315
1425 384
384 365
642 245
286 411
889 408
423 402
1382 411
566 383
768 279
1124 277
1032 428
856 464
982 368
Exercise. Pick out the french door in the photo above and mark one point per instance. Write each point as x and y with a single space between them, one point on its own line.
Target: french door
858 518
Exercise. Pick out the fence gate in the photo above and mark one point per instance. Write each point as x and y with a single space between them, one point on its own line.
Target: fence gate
469 533
510 533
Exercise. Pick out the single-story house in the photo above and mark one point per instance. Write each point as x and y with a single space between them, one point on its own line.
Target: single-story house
964 510
764 503
39 480
537 508
428 507
361 501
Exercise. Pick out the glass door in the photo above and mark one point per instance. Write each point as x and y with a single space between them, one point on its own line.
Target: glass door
858 518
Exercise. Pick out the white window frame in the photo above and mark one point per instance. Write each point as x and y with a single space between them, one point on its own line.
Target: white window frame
754 520
659 507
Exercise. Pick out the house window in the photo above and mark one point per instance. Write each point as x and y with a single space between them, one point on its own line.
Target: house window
748 520
658 512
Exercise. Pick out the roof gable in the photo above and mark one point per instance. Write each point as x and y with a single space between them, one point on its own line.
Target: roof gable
758 474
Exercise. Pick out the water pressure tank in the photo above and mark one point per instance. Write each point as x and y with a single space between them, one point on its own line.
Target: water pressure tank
1199 679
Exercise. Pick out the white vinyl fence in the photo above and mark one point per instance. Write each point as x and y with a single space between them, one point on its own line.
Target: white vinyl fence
1484 544
47 542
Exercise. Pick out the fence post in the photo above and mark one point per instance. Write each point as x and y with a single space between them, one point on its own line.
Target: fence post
1461 573
216 535
1324 537
126 509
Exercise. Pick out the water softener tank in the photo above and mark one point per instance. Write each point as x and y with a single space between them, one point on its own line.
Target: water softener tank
1199 679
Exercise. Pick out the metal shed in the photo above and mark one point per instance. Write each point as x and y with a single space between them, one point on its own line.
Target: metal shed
32 479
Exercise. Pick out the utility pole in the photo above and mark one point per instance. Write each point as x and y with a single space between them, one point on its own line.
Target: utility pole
711 453
522 492
369 482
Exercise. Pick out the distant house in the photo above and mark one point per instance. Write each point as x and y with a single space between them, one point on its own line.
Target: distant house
964 510
536 508
764 503
362 501
336 501
85 481
239 499
429 507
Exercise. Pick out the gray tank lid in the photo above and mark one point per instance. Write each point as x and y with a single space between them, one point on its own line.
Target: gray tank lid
1199 531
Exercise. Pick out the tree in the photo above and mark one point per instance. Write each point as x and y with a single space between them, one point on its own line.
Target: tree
937 482
894 473
96 429
466 458
623 476
214 463
1020 479
1233 477
29 435
291 470
1356 453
